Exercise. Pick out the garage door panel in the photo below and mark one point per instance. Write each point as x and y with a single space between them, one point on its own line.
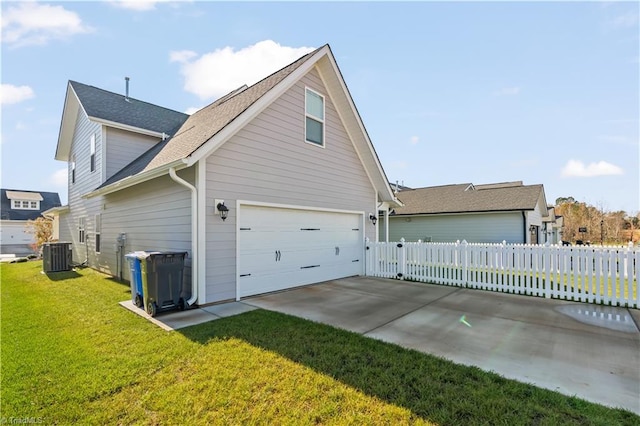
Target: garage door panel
281 248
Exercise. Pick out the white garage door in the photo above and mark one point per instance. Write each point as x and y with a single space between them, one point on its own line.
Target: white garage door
281 248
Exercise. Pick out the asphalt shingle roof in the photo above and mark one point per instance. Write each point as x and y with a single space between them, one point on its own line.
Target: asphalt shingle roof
464 198
49 200
204 124
111 106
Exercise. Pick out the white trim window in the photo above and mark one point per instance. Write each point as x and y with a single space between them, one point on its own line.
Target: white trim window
98 231
25 205
314 117
92 157
81 230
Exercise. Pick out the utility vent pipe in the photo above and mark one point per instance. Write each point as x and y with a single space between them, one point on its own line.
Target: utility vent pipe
126 96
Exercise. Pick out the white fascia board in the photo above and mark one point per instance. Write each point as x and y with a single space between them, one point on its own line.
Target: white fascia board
121 126
544 210
67 124
55 211
136 179
210 146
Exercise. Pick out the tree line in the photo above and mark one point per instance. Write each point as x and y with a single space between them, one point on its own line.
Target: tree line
592 224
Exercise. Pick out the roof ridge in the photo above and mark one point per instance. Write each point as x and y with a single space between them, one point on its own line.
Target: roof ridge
128 97
28 190
440 186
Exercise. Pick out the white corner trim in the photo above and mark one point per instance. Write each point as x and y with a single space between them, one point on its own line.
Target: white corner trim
201 186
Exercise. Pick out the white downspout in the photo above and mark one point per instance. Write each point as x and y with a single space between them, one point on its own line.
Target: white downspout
194 234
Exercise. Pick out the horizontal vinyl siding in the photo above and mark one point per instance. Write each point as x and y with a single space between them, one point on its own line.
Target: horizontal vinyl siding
85 182
474 228
123 147
155 215
269 161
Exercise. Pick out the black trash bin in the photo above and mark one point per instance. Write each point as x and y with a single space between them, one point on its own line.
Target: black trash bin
162 281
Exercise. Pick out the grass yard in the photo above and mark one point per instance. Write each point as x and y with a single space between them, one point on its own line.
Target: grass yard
71 354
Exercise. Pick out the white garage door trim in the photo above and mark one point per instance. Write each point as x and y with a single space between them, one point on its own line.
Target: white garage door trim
354 247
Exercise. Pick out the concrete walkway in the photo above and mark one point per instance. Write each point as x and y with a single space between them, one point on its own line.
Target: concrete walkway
589 351
175 320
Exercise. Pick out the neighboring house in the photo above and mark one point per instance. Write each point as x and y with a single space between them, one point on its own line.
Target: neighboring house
288 160
18 207
491 213
552 227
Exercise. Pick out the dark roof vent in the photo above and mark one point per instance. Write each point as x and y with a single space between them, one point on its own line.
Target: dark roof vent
126 96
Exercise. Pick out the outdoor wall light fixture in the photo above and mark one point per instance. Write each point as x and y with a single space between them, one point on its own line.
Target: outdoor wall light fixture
224 210
532 229
373 219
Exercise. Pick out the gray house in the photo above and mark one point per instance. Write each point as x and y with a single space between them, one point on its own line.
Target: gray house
491 213
17 208
270 187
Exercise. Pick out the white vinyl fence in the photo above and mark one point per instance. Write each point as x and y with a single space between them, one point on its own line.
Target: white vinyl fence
594 274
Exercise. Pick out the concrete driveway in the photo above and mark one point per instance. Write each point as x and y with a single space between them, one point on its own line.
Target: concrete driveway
589 351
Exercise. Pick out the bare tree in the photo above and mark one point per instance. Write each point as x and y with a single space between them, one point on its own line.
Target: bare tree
42 230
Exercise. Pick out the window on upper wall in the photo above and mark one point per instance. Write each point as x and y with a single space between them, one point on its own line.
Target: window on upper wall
81 234
25 205
92 158
73 169
314 117
98 231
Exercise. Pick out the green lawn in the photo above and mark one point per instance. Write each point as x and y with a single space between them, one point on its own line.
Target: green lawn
71 354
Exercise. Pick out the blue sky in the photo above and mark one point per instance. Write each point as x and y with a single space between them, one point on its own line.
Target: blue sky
546 93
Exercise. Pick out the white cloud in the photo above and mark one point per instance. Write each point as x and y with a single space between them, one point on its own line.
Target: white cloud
59 178
414 140
182 55
576 168
192 110
217 73
21 126
140 5
11 94
32 23
507 91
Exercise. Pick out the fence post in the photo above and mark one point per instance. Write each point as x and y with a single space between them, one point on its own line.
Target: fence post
402 259
367 256
546 269
464 258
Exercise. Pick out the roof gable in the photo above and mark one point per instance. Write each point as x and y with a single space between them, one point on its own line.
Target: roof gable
482 198
47 201
206 130
115 110
201 126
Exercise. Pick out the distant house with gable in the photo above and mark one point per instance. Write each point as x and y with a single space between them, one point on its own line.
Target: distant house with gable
491 213
17 208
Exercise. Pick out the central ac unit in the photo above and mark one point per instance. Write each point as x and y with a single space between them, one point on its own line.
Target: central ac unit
56 257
